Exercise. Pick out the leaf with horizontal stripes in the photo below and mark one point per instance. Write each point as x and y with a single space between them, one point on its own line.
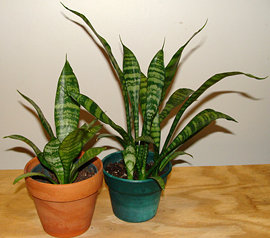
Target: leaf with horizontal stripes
27 141
113 61
156 131
33 174
159 180
102 41
37 151
155 85
86 126
129 155
51 155
66 111
207 84
172 66
175 100
171 157
72 146
97 112
143 91
132 75
74 142
118 138
42 118
87 156
196 124
147 139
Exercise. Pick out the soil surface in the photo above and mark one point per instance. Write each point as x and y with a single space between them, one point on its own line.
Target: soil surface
118 169
83 174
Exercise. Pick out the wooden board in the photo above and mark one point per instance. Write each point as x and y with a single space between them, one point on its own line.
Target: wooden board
205 202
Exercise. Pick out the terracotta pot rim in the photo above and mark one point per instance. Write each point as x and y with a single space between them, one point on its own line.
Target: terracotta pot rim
59 185
64 192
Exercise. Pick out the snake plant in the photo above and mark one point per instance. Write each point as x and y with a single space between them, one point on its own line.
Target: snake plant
143 97
62 150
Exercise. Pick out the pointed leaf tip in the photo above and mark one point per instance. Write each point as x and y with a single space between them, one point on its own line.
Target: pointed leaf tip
63 5
121 40
163 43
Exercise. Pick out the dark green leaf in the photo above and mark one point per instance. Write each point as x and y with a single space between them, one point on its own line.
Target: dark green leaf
155 85
118 138
159 180
51 155
66 112
102 41
143 92
27 141
97 112
33 174
172 66
147 139
132 75
114 64
156 131
72 146
170 157
38 153
196 124
87 156
175 100
129 156
42 118
207 84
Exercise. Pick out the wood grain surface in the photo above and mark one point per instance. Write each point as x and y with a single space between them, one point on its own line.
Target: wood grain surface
205 202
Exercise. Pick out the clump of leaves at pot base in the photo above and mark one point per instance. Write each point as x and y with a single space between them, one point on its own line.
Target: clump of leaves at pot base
60 154
146 93
118 169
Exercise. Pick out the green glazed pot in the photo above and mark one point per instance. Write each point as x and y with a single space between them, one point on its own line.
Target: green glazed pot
133 200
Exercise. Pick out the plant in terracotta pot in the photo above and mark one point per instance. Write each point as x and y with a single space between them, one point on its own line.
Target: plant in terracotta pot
144 95
62 179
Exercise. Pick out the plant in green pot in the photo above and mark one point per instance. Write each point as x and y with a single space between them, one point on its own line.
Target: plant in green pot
63 179
146 161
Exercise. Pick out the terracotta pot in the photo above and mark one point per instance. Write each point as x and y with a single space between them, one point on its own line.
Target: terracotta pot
65 210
